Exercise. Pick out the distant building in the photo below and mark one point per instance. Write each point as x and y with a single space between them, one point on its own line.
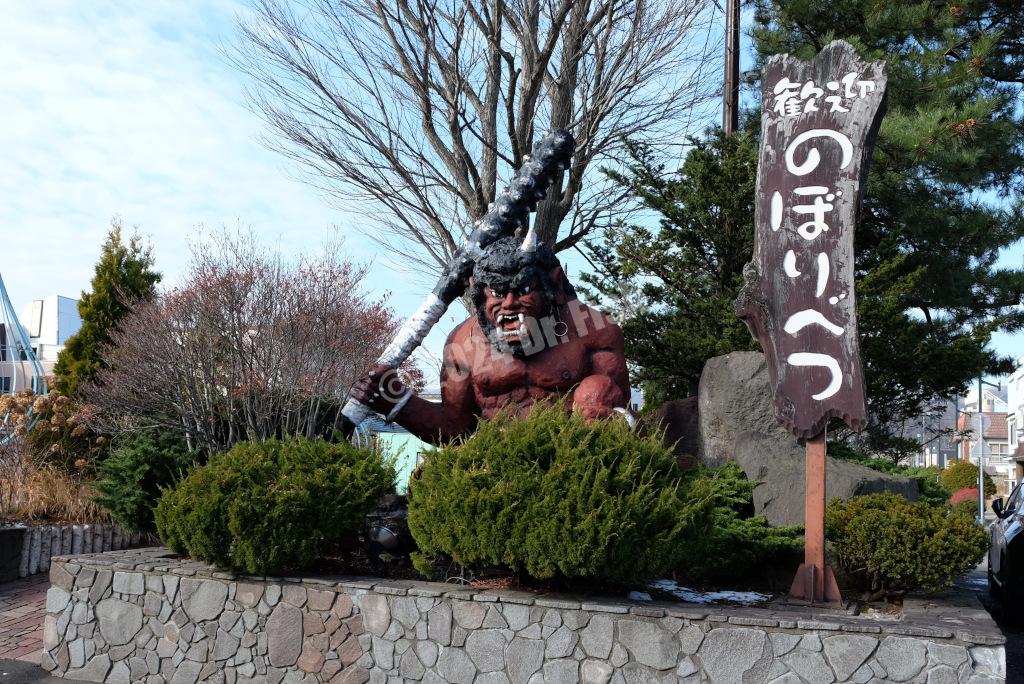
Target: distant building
48 323
1015 417
993 399
936 433
399 443
997 461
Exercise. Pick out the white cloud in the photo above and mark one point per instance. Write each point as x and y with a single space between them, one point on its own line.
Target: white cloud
129 109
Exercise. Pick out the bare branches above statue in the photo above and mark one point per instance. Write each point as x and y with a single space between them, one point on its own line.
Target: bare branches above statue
412 113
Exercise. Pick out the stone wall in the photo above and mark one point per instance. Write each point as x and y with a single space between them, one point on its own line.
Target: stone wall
26 550
145 617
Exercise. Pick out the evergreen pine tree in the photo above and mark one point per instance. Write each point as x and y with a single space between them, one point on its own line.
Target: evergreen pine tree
687 272
943 199
124 274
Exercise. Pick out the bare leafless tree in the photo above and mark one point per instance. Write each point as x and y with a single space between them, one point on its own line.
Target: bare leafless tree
411 111
248 347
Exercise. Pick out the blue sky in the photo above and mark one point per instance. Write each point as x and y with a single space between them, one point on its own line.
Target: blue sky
130 110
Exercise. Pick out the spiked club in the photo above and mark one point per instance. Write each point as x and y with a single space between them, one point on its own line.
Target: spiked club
509 212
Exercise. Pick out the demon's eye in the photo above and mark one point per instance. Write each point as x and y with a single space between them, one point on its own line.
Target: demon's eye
497 292
525 289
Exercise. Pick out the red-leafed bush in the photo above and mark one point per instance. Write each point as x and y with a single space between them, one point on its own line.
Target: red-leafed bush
248 347
965 494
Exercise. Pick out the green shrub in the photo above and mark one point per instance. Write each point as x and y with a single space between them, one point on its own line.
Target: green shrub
967 507
964 475
894 544
554 496
725 542
265 506
929 484
131 477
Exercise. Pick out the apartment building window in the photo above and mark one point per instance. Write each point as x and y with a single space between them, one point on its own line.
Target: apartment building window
5 385
1012 426
1000 451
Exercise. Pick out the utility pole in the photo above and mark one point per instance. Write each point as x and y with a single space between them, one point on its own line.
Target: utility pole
981 455
981 446
731 95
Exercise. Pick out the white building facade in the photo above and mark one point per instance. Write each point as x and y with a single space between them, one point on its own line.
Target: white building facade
1015 417
48 323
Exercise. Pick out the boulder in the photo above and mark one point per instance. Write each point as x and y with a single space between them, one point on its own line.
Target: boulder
678 422
737 424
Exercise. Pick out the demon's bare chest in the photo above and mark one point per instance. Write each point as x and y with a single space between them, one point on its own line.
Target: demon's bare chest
554 370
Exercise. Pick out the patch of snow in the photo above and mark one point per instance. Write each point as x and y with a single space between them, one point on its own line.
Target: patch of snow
873 614
639 596
745 598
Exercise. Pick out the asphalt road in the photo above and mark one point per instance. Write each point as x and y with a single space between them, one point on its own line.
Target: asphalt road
977 581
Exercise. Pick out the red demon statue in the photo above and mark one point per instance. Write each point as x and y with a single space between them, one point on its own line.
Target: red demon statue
531 339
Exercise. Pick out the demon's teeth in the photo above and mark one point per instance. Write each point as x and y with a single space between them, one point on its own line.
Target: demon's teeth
521 318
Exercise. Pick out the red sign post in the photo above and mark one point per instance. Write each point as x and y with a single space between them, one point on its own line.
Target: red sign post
818 125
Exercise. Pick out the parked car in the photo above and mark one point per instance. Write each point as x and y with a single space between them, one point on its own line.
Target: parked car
1006 554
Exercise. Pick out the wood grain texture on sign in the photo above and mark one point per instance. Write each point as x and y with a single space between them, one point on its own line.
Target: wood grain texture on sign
819 121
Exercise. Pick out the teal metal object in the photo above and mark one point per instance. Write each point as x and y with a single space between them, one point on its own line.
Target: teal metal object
19 367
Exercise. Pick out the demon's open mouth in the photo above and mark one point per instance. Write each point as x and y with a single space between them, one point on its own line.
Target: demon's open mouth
511 327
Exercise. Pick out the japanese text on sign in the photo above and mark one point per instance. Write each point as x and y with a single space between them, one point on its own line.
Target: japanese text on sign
817 129
809 230
795 98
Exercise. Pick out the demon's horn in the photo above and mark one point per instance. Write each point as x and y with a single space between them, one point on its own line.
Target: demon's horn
530 241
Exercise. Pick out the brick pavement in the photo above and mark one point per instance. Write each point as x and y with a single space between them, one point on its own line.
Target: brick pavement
22 607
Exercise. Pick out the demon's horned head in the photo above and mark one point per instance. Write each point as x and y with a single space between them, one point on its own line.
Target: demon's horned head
513 285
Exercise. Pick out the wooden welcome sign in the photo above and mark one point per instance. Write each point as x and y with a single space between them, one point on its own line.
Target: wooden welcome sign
818 125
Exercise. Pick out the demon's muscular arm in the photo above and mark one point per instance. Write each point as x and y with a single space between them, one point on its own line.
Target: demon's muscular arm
607 386
456 415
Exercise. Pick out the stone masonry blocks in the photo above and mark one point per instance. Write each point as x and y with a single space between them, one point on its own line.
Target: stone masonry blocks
145 616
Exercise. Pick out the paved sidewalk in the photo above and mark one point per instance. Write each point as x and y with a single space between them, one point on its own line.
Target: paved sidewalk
22 607
977 581
20 672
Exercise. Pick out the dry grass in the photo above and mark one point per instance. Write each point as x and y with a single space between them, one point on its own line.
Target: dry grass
48 493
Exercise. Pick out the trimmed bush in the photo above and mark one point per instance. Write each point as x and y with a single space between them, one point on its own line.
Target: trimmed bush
554 496
266 506
725 542
132 476
930 488
964 475
896 545
967 507
967 494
